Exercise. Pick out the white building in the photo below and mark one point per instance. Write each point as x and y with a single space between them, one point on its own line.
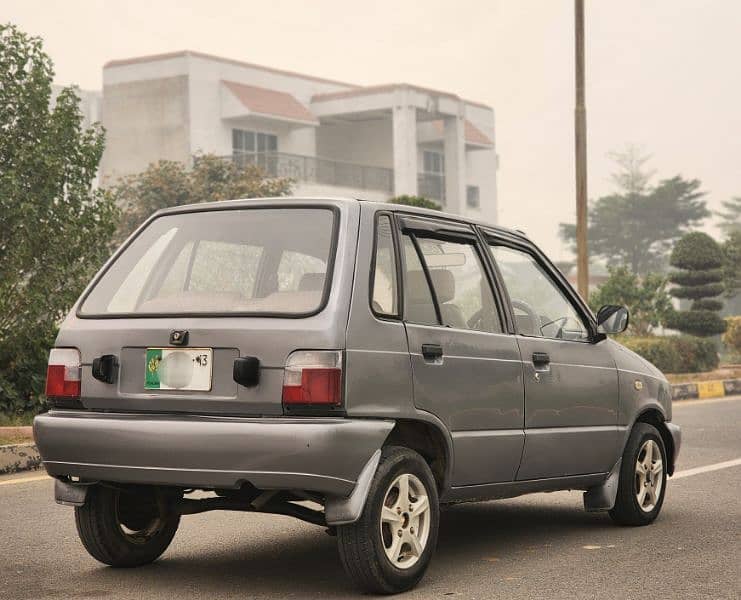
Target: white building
332 138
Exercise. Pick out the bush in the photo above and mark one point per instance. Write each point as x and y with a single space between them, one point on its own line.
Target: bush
676 354
732 337
697 322
418 201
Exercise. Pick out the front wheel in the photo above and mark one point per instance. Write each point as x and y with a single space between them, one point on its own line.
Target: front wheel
389 548
642 483
125 527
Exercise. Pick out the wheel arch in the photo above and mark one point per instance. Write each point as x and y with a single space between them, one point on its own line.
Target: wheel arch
430 441
654 416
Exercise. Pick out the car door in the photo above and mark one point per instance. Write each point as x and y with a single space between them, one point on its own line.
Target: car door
466 370
571 381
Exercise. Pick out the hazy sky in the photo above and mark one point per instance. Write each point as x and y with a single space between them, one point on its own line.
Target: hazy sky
663 74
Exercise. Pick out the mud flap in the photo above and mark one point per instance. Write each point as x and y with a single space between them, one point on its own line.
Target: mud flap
69 494
341 511
602 497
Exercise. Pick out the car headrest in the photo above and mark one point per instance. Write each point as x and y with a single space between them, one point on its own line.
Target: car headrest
442 280
311 282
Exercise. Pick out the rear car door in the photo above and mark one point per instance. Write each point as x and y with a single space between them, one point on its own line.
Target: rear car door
571 381
466 370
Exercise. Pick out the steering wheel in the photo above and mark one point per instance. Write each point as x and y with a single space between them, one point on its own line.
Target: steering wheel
531 314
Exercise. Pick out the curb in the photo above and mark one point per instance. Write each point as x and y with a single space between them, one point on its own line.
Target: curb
706 389
18 457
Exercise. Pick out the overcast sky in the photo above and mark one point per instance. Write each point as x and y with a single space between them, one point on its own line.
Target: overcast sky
663 74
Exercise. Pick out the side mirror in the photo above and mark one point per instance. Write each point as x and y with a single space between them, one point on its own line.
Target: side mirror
612 319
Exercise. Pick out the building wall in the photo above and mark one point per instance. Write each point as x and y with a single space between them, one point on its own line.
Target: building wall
145 121
363 142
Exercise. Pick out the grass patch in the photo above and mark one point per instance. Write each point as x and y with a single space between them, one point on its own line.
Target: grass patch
15 439
21 420
722 372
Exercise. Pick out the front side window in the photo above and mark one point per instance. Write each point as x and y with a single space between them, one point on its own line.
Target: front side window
228 261
540 308
461 290
384 296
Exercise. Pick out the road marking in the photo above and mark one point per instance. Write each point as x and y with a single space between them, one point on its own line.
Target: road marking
707 468
24 480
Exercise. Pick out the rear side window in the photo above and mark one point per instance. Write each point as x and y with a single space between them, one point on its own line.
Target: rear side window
385 295
419 307
254 261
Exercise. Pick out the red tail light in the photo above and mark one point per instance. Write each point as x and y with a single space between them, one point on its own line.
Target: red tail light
313 378
63 373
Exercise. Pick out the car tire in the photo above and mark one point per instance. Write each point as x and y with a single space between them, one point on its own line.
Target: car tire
379 551
642 483
125 528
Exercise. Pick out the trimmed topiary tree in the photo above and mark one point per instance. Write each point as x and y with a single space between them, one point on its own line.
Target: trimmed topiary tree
699 277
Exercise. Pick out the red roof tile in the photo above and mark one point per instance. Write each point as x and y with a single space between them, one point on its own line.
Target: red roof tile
263 101
473 134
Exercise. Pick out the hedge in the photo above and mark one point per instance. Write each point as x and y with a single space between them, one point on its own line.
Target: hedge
675 354
697 322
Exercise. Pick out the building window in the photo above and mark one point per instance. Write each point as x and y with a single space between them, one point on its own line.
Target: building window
433 162
472 196
431 181
253 148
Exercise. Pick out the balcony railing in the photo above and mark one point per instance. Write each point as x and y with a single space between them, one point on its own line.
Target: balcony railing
431 186
319 170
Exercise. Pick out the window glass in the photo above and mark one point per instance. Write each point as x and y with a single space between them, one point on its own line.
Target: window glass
384 277
472 196
541 309
463 292
299 271
418 304
251 260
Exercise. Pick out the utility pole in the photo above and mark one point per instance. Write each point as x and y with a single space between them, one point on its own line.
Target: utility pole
580 127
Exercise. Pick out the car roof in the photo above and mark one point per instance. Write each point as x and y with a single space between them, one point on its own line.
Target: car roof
336 200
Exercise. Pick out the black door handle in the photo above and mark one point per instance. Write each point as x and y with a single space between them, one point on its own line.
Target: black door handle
541 358
432 351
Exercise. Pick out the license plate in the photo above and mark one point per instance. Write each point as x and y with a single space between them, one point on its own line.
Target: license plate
187 369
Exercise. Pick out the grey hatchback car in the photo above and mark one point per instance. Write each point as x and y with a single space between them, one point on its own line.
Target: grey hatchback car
352 364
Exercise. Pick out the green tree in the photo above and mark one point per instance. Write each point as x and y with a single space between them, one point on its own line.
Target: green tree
166 183
731 216
419 201
699 275
646 298
637 225
54 227
732 263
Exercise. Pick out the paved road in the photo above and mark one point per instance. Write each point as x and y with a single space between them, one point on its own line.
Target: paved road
541 546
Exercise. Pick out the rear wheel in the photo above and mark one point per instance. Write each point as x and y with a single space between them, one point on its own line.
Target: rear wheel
389 548
642 483
125 527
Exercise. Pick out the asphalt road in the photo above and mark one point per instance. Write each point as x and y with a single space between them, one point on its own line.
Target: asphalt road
539 546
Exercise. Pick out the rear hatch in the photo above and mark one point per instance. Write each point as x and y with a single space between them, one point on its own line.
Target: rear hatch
197 288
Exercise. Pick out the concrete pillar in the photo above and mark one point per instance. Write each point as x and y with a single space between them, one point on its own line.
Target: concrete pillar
405 145
455 162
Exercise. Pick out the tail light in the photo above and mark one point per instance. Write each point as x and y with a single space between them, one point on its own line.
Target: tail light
63 377
313 378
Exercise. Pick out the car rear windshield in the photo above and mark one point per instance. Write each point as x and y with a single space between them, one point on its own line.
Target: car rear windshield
251 261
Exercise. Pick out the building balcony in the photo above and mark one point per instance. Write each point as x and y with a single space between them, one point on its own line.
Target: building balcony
318 170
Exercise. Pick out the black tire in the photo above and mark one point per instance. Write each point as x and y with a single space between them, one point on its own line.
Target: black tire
361 544
627 509
149 529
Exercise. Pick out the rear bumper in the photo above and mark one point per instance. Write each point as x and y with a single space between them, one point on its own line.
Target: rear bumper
324 455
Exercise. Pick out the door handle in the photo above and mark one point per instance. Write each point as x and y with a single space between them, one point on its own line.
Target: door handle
541 361
432 351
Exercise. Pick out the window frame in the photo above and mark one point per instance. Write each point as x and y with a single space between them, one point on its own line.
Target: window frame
397 264
328 282
495 238
460 232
